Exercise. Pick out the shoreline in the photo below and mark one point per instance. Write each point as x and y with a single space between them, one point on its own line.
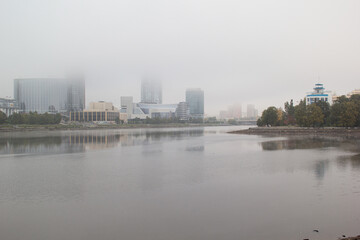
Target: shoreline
302 131
65 127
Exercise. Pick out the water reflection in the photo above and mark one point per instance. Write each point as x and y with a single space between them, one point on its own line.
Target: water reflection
299 143
310 143
353 161
177 184
349 154
80 141
320 168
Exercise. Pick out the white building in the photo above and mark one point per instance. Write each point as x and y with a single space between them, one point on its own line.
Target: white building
127 105
319 94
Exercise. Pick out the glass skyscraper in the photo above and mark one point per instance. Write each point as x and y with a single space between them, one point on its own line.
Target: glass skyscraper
151 91
50 94
195 101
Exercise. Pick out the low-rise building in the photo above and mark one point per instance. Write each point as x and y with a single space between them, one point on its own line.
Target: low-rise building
319 94
8 106
97 112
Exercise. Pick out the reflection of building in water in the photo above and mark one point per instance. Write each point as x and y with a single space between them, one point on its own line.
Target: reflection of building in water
81 141
96 140
38 145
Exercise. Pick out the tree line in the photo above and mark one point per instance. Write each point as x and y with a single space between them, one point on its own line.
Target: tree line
344 112
30 118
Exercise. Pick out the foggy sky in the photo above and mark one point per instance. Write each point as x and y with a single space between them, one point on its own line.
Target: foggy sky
259 51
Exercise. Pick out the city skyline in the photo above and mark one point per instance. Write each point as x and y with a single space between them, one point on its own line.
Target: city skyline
253 52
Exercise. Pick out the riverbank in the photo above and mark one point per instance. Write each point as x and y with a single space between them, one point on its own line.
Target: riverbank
296 131
351 238
54 127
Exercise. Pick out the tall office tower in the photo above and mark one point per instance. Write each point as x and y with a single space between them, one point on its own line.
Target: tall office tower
151 91
49 94
76 94
251 111
127 105
195 101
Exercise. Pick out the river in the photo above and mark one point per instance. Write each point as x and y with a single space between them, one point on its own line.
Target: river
177 184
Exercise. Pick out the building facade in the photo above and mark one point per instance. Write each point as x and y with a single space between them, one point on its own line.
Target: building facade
127 105
151 91
195 101
94 116
49 95
101 106
97 112
319 94
182 111
158 110
8 106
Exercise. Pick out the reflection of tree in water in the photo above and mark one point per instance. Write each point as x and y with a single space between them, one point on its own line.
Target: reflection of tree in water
29 145
353 161
300 143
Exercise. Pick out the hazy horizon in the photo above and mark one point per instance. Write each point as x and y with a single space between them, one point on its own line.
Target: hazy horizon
251 52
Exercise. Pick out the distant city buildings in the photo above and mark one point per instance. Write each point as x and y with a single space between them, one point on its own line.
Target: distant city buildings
151 91
319 94
49 94
354 92
127 106
67 96
182 111
158 110
251 112
234 112
195 101
97 112
8 106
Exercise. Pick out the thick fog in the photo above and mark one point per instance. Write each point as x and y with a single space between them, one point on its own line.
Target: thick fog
261 52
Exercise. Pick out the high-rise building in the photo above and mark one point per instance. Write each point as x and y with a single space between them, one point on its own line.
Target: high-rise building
127 105
195 101
251 111
151 91
76 94
182 111
49 94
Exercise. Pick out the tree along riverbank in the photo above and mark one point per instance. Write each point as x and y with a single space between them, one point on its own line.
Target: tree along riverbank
77 126
296 131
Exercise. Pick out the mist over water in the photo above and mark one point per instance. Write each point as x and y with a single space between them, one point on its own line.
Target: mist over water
256 52
187 183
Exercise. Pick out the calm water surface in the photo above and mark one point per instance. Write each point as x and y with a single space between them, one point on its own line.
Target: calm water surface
176 184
